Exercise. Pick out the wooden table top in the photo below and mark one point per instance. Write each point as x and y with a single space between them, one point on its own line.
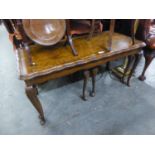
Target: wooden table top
52 59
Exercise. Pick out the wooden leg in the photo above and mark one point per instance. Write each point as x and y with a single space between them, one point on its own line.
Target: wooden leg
94 73
127 68
137 56
148 60
108 66
36 90
92 29
86 78
32 95
70 41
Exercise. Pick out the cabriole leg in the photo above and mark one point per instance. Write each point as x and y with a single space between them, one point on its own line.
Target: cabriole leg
148 60
31 92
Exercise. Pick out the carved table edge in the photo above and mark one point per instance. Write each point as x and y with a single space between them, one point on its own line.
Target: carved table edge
24 76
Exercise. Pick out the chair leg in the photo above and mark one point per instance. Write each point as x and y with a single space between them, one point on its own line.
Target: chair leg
127 68
137 56
86 78
148 60
70 41
108 66
94 73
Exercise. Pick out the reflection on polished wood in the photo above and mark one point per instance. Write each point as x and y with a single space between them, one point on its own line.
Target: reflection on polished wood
45 31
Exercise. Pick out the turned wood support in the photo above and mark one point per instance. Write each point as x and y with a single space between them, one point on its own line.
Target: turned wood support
111 31
24 40
31 92
94 73
134 26
86 78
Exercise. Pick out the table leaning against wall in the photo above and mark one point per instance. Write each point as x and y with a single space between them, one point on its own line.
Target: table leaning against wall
59 60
